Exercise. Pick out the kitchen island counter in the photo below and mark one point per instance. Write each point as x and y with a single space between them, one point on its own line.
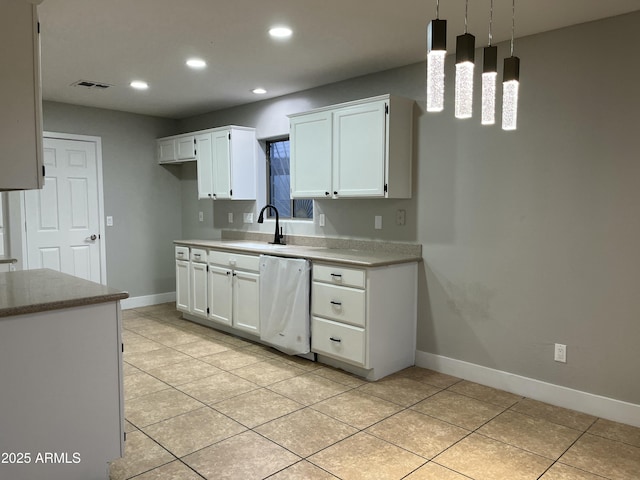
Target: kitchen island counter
32 291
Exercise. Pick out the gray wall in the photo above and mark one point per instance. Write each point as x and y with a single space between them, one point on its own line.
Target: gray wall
529 237
143 197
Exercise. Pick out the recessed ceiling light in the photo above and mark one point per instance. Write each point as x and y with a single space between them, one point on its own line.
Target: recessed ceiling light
196 63
139 85
280 32
259 91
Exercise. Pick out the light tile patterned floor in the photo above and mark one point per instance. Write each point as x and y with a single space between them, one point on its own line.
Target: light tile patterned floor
203 404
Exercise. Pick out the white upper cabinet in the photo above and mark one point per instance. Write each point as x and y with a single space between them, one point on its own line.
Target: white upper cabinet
310 146
176 149
21 98
185 148
359 149
227 165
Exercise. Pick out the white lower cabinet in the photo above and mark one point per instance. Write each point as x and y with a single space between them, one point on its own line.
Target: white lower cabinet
364 320
246 306
220 294
198 278
183 292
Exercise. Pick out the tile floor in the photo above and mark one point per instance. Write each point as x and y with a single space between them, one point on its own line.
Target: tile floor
203 404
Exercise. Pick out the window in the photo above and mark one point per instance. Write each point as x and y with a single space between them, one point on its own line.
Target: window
279 191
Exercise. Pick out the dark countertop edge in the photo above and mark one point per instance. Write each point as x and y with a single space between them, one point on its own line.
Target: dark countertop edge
62 304
318 254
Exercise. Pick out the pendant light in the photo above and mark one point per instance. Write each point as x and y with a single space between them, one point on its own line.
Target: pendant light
489 75
510 83
436 53
465 56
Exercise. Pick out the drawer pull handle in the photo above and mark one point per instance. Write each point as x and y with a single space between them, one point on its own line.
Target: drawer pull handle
336 275
337 340
197 255
339 304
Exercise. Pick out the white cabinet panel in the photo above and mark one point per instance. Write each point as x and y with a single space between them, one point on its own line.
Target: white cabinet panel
199 289
204 159
310 142
359 139
20 98
246 294
182 286
186 148
166 150
342 304
220 294
221 164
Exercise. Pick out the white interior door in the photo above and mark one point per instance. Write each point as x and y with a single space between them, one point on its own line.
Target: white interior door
63 219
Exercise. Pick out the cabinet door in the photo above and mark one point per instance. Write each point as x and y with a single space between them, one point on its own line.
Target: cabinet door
199 289
182 285
310 150
20 98
166 150
204 161
221 165
220 294
186 148
359 144
246 292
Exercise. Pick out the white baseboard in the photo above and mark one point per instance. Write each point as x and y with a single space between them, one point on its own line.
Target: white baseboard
589 403
147 300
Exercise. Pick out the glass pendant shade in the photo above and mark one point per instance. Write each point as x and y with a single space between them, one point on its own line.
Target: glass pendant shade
489 76
436 53
510 86
465 56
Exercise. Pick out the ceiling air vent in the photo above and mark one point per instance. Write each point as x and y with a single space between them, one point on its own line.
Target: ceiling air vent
92 85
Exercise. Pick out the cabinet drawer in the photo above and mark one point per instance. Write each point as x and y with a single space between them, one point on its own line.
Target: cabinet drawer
235 260
182 253
338 340
339 303
198 255
349 277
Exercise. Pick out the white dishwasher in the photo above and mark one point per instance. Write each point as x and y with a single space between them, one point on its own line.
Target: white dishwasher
284 303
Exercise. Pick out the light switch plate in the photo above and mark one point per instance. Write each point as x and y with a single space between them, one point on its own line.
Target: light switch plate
109 221
378 222
321 219
230 217
201 216
248 217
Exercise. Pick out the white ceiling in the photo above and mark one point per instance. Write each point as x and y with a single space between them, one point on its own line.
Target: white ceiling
116 41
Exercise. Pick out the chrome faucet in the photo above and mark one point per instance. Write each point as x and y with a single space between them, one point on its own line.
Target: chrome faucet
277 237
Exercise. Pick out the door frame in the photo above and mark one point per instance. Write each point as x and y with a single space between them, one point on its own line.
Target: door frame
97 141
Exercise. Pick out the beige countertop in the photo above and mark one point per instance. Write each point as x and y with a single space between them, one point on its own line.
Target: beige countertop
32 291
354 257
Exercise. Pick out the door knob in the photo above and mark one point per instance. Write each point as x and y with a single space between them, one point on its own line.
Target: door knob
92 238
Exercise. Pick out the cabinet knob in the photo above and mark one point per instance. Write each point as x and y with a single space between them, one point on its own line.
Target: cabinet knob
327 194
335 192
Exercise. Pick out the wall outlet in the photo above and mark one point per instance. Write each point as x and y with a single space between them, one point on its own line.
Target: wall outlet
401 217
230 217
200 216
378 222
560 353
109 221
321 219
248 218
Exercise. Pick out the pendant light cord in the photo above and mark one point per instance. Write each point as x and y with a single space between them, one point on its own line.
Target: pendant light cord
513 23
466 12
490 23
